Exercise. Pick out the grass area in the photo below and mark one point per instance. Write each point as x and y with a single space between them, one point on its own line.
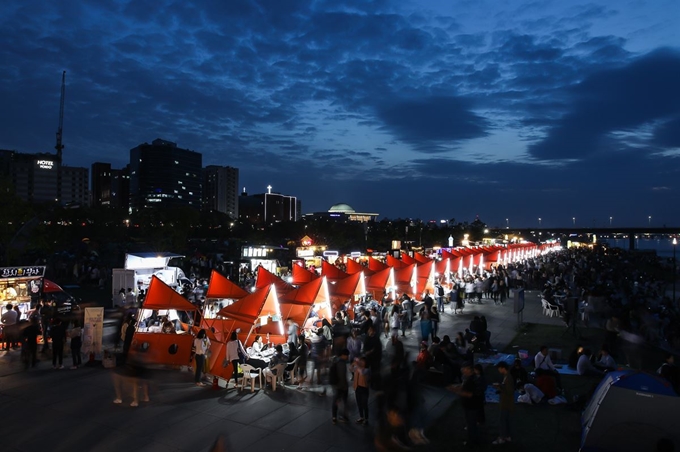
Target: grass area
534 427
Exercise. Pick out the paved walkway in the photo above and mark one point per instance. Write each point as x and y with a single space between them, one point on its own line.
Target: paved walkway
73 410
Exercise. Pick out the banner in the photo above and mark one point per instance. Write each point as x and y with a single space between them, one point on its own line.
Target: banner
93 327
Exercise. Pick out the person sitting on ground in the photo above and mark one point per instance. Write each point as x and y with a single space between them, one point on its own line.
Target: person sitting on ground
424 359
606 362
574 356
585 367
519 373
544 365
670 371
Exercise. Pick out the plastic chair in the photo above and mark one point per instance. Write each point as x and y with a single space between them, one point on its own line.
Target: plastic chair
250 373
293 365
544 303
276 375
554 310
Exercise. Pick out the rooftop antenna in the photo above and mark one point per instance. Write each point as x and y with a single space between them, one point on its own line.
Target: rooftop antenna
60 146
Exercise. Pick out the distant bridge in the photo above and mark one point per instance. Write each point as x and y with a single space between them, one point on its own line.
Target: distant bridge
631 233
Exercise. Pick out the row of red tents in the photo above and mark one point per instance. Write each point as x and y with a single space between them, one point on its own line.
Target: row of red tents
274 300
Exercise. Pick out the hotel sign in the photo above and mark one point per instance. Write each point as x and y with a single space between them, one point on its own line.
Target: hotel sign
45 164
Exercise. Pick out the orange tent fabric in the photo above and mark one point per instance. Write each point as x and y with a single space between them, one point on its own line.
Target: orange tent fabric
348 287
355 267
221 287
425 274
408 259
160 348
375 265
405 279
421 259
381 280
265 278
162 296
249 309
442 266
306 294
301 275
331 272
394 262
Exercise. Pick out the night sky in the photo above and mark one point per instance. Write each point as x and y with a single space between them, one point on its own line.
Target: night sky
429 109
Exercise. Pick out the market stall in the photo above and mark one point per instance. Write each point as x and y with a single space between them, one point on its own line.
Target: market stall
21 286
331 272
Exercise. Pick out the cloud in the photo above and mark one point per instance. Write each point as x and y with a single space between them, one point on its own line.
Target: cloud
434 119
645 90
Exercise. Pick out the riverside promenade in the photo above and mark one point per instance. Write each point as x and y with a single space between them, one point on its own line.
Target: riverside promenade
65 410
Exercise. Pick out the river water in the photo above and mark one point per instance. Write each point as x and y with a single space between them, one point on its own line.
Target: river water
663 246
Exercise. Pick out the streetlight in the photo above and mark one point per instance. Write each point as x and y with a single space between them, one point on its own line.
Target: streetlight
675 242
573 220
610 221
539 222
507 223
649 220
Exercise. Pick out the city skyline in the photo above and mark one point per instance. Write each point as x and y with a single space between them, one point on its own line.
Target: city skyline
562 111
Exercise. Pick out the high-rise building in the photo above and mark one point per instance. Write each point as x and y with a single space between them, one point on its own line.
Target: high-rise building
220 189
35 177
164 175
74 186
268 208
110 187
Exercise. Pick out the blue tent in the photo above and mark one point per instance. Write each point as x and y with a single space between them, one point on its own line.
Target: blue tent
631 411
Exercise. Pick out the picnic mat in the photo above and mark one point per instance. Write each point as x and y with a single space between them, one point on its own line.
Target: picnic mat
566 370
495 359
492 397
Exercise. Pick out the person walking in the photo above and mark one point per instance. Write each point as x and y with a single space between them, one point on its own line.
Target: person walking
506 389
469 394
201 347
46 314
30 343
76 334
58 336
425 322
337 377
440 296
127 332
361 384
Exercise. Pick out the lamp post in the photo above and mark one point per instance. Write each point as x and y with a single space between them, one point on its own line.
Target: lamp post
539 222
610 221
507 223
649 220
675 242
573 220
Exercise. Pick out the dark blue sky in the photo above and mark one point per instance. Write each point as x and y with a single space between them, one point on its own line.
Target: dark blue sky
431 108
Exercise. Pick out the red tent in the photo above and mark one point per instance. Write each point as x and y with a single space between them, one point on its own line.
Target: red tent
394 262
425 274
221 287
331 272
421 259
355 267
443 266
301 275
380 281
375 265
51 287
266 278
447 255
297 303
347 288
405 279
249 309
162 296
408 260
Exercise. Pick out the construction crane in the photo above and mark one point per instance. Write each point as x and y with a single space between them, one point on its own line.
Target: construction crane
60 146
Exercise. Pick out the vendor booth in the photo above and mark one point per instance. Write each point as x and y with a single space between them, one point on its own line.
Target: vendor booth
302 276
21 286
141 267
167 349
351 289
221 293
331 272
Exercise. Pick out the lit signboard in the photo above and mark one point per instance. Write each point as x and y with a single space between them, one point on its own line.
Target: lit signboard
22 272
45 164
